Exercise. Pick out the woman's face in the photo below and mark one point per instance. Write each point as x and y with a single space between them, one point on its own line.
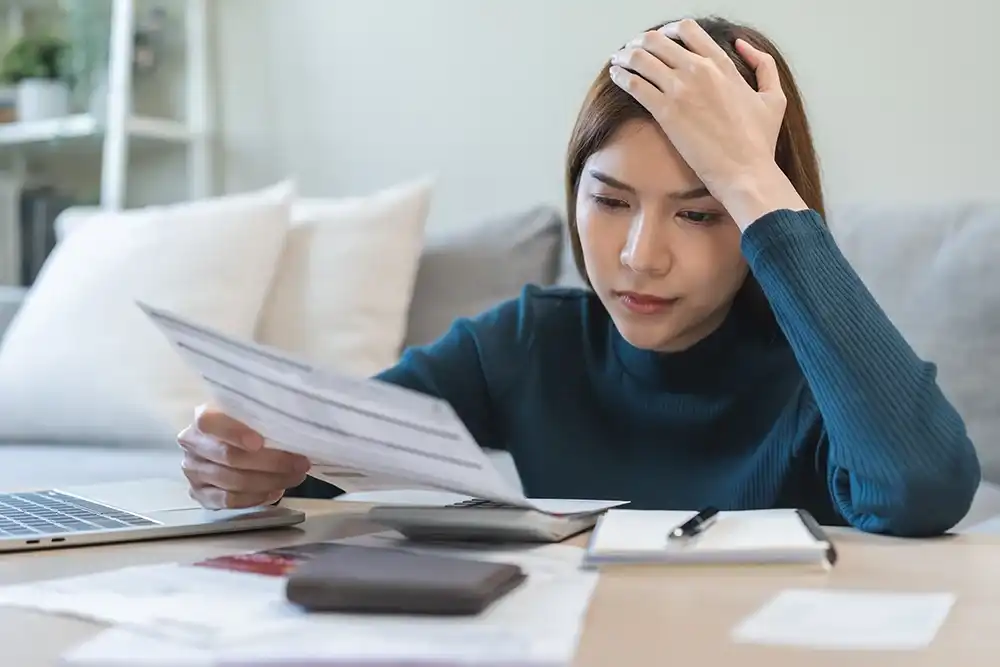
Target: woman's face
661 253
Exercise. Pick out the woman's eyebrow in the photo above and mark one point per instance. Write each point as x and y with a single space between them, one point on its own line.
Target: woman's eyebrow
610 181
697 192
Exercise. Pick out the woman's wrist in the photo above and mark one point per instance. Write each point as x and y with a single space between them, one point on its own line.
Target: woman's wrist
765 190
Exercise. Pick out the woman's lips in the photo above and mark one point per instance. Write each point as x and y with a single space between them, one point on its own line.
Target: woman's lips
644 304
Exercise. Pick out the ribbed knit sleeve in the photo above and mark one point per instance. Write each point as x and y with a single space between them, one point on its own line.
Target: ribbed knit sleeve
900 461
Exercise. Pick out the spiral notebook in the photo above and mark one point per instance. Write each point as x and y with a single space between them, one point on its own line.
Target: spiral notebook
752 537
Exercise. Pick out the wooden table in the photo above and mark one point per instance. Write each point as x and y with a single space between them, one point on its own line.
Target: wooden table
638 616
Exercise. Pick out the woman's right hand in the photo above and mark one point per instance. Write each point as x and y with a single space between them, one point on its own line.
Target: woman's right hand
227 465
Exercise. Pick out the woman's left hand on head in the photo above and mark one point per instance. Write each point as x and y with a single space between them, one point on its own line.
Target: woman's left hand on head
723 128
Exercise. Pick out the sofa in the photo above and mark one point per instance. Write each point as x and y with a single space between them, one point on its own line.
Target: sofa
932 267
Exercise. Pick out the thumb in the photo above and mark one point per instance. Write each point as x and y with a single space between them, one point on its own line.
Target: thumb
768 81
214 423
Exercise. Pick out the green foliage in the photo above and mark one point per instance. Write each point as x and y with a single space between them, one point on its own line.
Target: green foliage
36 57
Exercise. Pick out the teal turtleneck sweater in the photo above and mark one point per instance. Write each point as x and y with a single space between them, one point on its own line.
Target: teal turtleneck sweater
831 411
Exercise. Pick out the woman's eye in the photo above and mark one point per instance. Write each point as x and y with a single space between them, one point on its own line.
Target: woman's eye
610 202
700 217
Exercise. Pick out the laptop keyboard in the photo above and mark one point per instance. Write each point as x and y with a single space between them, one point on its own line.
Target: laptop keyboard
48 512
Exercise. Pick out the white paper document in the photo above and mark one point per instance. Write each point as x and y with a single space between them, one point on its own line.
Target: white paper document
848 620
242 619
177 600
121 647
342 424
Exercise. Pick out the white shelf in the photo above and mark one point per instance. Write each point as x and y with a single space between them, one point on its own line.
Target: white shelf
83 126
116 130
158 129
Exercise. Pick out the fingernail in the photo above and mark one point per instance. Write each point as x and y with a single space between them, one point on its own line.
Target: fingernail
671 29
252 441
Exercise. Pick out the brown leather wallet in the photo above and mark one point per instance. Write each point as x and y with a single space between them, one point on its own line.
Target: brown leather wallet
357 579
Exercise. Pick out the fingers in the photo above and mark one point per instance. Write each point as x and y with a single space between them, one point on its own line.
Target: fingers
222 426
764 66
215 498
637 60
643 91
227 465
698 41
645 66
669 52
202 473
224 454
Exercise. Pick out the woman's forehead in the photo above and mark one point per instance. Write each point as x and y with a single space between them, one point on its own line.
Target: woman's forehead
640 156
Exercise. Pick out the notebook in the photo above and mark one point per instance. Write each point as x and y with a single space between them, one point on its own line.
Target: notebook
775 536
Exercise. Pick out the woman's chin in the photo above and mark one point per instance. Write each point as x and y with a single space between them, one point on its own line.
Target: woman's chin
666 335
655 337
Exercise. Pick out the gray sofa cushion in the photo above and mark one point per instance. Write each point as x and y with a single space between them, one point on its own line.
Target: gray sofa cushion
465 273
934 270
568 274
10 301
38 466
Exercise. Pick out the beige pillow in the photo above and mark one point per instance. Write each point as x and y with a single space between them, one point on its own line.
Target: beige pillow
82 363
343 290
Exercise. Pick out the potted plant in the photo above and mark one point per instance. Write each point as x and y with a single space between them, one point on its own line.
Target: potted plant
37 65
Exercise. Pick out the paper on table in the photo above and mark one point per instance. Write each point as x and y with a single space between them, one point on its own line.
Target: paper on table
176 599
537 624
124 647
546 638
212 598
372 427
848 620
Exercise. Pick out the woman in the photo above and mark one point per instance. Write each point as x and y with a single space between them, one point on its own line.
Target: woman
727 355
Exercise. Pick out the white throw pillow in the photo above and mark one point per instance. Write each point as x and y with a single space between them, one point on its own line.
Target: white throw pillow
82 363
342 293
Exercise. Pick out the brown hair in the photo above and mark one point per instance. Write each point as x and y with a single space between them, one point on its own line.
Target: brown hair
607 107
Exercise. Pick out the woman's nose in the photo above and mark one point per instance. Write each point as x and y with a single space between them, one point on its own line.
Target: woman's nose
646 250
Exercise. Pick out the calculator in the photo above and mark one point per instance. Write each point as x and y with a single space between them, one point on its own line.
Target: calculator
480 521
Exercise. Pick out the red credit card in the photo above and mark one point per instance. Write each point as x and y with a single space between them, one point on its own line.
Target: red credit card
271 562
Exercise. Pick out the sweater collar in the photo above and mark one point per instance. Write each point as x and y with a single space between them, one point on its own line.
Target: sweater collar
716 358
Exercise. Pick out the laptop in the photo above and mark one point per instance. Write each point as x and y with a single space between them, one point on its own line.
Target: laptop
130 511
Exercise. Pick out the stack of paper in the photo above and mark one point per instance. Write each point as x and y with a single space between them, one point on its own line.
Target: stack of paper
224 612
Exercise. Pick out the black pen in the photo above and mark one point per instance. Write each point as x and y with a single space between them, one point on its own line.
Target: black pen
696 525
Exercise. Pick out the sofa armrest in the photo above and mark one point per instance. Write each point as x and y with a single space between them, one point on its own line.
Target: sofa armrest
11 299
